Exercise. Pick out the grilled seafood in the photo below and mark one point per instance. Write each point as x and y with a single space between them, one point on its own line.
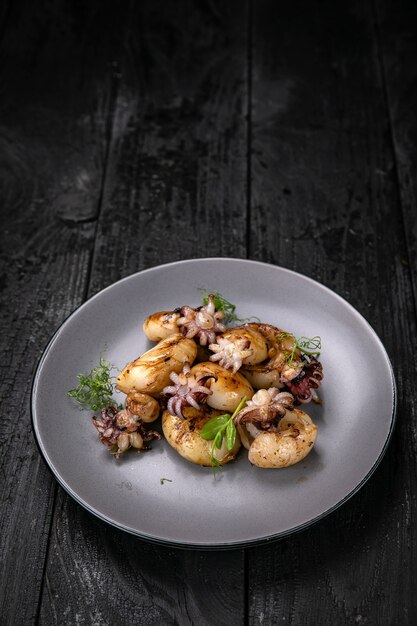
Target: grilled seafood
143 405
186 390
275 434
238 346
290 444
200 371
285 367
227 389
150 373
161 325
121 430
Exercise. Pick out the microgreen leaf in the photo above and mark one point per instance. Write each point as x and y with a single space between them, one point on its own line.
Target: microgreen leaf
230 434
218 439
211 428
216 429
221 304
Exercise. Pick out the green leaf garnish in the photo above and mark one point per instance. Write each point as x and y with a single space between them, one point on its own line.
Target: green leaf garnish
218 439
211 427
94 390
165 480
306 345
226 307
216 429
221 304
230 435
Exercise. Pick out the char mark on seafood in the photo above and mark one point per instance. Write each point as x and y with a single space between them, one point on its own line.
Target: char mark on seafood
304 386
121 430
265 409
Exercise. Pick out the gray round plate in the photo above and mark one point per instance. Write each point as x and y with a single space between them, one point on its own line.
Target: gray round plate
245 504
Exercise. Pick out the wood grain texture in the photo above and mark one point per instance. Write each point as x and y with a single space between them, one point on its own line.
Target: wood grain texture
176 171
52 146
396 24
124 140
100 575
325 202
176 180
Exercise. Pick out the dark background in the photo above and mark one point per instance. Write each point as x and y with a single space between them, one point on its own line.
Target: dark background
138 133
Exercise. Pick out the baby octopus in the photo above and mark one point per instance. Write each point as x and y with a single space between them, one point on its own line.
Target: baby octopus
120 430
265 407
187 390
202 323
238 346
304 385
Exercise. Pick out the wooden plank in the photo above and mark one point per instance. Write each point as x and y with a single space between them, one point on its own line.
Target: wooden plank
56 91
397 31
175 188
115 578
176 182
325 202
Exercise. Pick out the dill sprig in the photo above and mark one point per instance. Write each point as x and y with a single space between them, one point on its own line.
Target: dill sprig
94 390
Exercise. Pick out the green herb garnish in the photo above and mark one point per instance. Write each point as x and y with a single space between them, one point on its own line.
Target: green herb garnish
312 346
165 480
216 429
306 345
221 304
94 390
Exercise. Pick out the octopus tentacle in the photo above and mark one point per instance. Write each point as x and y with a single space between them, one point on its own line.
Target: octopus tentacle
230 354
264 408
308 380
187 390
121 429
202 323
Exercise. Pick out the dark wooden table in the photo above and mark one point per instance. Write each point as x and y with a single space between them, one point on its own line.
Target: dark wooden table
138 133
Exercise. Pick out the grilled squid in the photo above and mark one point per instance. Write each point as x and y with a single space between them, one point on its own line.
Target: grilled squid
161 325
201 324
301 374
150 373
275 434
227 388
268 372
184 436
239 346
